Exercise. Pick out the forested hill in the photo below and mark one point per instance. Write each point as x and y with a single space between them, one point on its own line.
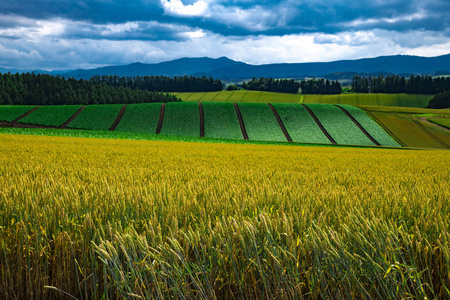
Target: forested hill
224 68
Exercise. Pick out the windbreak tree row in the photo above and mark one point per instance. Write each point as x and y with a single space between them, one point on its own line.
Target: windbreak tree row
396 84
162 83
313 86
41 89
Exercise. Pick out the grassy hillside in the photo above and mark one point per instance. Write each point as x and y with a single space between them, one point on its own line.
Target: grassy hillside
402 100
9 113
96 117
51 115
299 124
221 121
140 118
338 125
181 119
240 96
260 122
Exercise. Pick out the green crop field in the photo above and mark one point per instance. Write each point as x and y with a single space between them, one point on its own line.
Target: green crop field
9 113
403 100
51 115
370 126
299 124
260 122
140 118
240 96
339 126
444 122
181 118
221 121
96 117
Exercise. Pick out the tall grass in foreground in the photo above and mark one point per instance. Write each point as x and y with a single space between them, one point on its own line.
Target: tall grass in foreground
97 218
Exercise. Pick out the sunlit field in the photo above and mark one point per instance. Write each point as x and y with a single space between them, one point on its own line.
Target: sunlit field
98 218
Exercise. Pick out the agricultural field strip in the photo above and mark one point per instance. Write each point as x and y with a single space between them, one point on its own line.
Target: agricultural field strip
51 115
280 122
119 117
339 125
359 125
221 121
260 122
73 117
181 118
96 117
141 117
429 132
300 125
319 124
139 208
25 114
241 121
441 122
9 113
371 126
161 118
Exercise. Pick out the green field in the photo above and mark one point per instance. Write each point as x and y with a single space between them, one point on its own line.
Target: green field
240 96
370 126
260 122
444 122
51 115
9 113
96 117
221 121
140 118
181 118
300 125
338 125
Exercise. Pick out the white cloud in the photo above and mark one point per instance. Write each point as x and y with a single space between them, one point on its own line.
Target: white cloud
177 8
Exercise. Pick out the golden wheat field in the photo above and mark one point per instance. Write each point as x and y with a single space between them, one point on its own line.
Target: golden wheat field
95 218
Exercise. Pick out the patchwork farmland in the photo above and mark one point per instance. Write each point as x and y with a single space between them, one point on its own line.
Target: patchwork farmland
278 122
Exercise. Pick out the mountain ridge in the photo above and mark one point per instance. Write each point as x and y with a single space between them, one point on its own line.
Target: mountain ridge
228 69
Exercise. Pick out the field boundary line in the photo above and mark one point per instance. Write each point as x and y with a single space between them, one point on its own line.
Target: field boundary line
215 96
319 124
398 100
25 114
161 118
359 125
280 122
202 119
229 96
241 121
188 96
378 99
119 117
72 117
429 133
396 138
202 96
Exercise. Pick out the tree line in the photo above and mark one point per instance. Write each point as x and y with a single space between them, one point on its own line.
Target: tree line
312 86
162 83
42 89
396 84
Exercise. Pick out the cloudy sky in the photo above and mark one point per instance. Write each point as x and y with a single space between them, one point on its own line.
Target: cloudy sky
70 34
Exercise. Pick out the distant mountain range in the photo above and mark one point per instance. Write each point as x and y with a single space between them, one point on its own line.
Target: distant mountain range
227 69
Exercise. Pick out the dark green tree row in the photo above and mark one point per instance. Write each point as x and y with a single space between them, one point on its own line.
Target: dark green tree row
396 84
313 86
162 83
41 89
441 100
